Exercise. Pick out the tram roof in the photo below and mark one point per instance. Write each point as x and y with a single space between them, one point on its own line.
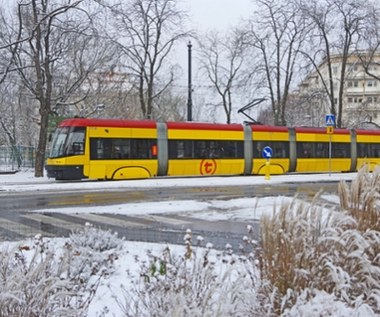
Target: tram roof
82 122
204 126
193 125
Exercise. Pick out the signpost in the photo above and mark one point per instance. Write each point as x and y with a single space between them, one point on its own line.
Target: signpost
267 153
330 124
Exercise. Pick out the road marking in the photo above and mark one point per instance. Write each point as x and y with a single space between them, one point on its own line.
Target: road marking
21 229
171 221
72 225
67 225
107 220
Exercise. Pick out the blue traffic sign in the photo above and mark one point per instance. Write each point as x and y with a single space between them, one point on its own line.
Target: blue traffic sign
330 120
267 152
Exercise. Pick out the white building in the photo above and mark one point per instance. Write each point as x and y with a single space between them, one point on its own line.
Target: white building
361 92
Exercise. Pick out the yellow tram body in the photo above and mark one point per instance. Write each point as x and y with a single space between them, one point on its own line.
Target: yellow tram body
323 152
209 138
129 149
368 149
117 167
277 138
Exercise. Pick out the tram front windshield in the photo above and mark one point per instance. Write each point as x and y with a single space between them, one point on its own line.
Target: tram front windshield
67 141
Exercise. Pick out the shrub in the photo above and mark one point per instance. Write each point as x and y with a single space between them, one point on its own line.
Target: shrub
306 249
39 280
201 282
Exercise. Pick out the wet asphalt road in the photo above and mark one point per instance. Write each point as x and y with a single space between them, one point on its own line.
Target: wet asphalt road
18 219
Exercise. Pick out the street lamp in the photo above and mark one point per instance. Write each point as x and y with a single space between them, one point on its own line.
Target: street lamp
189 101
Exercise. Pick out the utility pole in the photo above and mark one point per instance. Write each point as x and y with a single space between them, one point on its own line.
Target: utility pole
189 101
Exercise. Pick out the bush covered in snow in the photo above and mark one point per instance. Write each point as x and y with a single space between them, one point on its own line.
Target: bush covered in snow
200 282
307 249
39 279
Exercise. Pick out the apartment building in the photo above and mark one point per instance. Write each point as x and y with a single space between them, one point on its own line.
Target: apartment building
361 92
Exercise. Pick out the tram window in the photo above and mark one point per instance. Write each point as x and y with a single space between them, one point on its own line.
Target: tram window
363 150
176 149
232 149
117 148
214 149
218 149
201 150
97 149
280 149
368 149
321 150
304 150
375 149
141 149
180 149
121 149
340 150
75 142
204 149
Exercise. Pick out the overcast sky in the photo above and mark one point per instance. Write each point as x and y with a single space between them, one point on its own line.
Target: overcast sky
218 14
206 15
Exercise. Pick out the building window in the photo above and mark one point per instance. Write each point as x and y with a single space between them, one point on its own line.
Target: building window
356 83
369 99
349 99
335 69
371 83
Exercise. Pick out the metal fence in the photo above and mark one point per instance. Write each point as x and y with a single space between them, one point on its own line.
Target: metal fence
12 158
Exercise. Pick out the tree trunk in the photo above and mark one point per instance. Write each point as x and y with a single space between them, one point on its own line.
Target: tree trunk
41 147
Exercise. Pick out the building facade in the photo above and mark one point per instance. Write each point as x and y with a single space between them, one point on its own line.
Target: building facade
361 88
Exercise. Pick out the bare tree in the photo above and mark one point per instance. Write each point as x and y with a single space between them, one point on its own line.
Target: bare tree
172 106
109 94
10 38
146 31
368 47
51 61
276 34
222 58
338 25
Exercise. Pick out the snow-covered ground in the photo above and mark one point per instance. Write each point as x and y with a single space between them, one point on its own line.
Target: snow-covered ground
105 296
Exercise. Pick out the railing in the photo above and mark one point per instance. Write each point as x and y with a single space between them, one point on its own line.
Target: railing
14 158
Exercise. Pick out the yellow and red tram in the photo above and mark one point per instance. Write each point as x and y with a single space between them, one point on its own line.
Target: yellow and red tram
127 149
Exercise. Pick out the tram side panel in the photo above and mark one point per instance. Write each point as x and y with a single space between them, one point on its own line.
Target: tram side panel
121 153
277 138
196 149
368 149
313 150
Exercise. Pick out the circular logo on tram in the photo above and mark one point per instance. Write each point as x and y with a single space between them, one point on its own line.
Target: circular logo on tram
208 167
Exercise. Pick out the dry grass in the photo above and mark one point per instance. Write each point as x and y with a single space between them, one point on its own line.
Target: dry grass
362 199
306 247
286 258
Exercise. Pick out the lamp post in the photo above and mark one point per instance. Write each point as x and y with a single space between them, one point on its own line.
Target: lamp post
189 101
